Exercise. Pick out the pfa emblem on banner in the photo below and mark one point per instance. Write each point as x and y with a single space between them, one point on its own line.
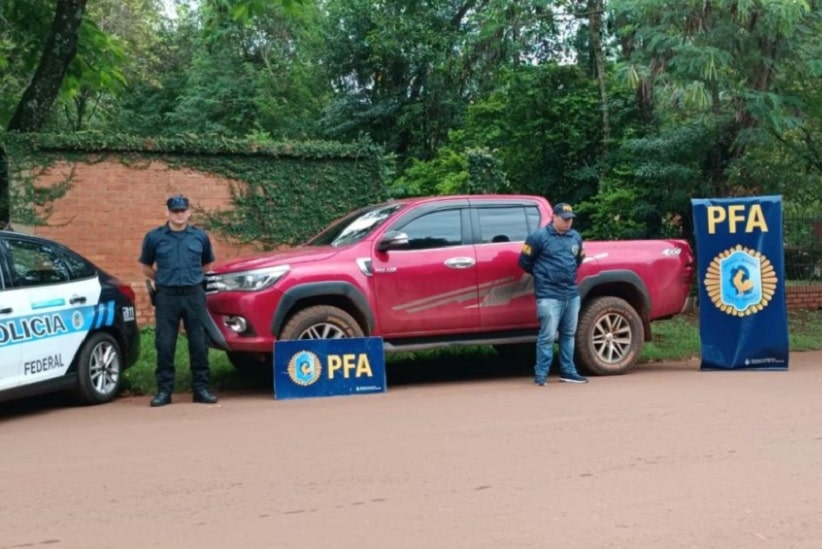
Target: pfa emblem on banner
740 281
304 368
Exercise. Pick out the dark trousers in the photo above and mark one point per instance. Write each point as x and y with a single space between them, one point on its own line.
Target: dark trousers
173 304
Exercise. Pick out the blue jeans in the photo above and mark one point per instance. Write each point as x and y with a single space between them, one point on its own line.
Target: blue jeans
562 315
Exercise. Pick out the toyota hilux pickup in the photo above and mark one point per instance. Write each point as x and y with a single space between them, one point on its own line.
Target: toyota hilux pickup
440 271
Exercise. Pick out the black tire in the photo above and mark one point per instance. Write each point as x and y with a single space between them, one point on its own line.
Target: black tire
609 336
253 364
321 322
99 369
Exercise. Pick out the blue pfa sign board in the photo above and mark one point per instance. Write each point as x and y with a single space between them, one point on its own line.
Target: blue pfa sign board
328 367
743 320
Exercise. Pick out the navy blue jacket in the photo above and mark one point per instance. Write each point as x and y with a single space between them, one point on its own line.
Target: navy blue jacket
552 259
179 255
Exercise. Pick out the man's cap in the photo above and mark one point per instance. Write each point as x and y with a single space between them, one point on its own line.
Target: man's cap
565 211
178 202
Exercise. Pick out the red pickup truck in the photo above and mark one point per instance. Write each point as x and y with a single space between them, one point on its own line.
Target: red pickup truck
438 271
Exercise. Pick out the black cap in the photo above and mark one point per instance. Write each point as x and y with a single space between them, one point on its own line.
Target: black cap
178 202
565 211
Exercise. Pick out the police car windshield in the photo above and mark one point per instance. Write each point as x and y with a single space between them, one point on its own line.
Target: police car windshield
353 228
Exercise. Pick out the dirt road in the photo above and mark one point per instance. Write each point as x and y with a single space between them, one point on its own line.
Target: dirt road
666 457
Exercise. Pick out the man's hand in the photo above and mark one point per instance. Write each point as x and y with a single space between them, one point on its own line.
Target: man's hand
152 292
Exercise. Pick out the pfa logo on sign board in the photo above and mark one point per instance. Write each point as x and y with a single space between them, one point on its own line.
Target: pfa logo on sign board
304 368
740 281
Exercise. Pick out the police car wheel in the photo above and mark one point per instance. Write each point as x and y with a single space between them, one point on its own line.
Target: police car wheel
99 369
609 336
321 322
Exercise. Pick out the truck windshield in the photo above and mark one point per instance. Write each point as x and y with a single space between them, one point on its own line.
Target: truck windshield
354 227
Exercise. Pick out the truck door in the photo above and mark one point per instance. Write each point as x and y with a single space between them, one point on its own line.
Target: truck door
429 285
506 292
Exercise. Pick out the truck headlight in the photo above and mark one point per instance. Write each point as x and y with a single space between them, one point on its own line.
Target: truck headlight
246 281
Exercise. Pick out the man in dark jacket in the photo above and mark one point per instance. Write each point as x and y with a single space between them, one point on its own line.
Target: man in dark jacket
176 256
552 255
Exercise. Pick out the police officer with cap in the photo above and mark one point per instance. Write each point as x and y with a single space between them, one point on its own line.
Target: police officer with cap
176 257
552 256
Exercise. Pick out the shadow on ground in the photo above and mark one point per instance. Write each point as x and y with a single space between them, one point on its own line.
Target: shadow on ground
417 369
403 370
42 404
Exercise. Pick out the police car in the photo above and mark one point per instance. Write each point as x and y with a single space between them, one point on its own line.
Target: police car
64 323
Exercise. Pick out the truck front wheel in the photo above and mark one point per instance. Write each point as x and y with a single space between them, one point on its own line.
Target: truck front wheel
609 336
321 322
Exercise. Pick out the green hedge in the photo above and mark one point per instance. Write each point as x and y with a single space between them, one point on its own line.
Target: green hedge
288 191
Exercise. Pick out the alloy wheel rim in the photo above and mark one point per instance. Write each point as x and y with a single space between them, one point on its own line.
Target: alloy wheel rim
104 368
612 338
323 330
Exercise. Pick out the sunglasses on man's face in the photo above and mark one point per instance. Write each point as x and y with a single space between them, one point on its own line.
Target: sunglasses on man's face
177 211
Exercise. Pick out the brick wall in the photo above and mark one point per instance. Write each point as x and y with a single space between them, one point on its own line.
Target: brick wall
804 297
110 207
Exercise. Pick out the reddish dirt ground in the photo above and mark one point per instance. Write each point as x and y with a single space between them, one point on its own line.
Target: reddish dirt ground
665 457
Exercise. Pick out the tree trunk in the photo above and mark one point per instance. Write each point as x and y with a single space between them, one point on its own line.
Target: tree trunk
61 45
5 208
33 109
595 9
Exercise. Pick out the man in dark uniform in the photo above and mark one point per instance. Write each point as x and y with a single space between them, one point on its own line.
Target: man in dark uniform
552 255
176 256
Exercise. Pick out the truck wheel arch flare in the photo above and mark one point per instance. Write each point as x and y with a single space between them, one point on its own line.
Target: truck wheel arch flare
333 288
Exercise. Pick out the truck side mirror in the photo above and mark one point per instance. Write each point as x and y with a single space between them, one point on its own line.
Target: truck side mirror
392 240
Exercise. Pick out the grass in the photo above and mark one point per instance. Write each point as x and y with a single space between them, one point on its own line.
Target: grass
678 338
675 339
139 379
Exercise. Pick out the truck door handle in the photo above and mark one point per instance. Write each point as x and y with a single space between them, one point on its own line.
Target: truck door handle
460 262
77 299
6 310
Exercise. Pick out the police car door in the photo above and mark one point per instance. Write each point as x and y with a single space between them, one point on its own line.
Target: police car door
11 303
55 312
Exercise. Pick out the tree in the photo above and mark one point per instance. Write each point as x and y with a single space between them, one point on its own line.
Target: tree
118 44
542 125
710 81
58 51
406 71
714 60
231 68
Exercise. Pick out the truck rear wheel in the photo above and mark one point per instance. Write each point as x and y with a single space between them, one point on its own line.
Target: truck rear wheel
609 336
321 322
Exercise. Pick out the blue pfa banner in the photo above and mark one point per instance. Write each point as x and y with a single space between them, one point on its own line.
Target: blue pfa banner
328 367
743 320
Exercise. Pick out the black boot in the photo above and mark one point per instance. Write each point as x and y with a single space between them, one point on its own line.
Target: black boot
203 396
161 399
